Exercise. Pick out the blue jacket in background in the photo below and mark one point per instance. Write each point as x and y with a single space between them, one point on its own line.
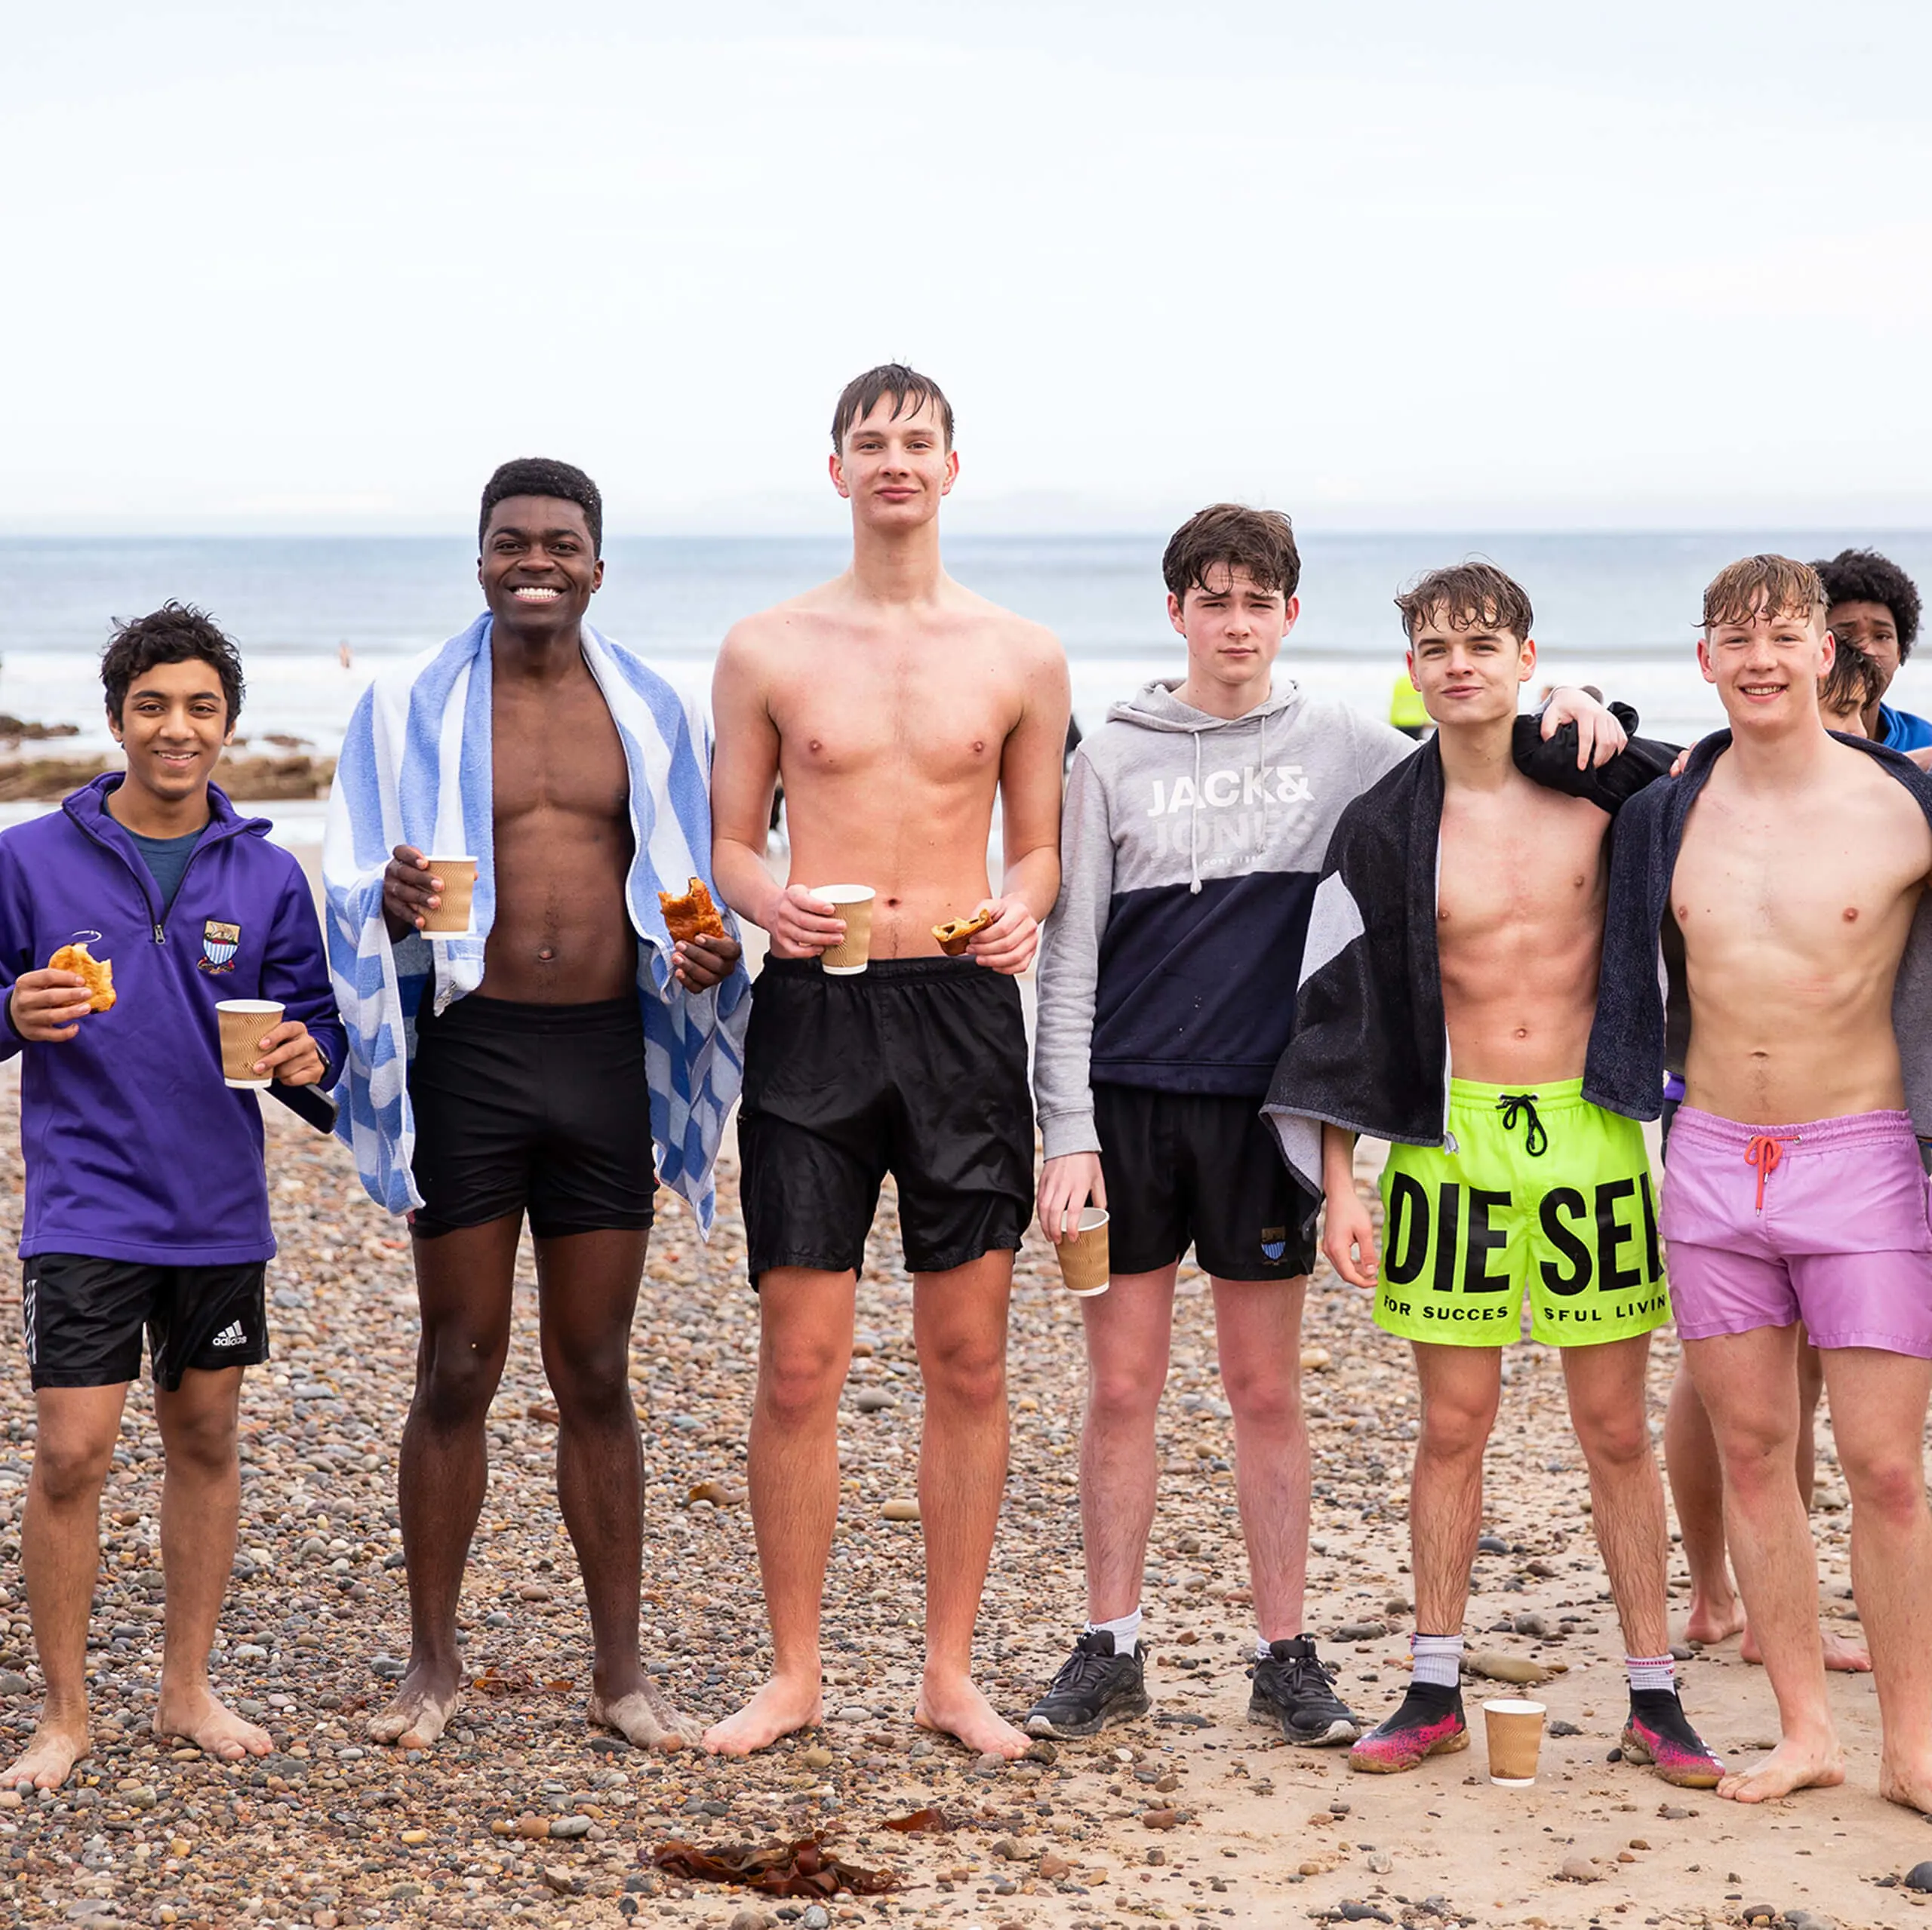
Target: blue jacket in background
1900 731
134 1149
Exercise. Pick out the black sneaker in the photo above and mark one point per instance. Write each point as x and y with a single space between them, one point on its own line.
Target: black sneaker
1429 1721
1658 1733
1097 1688
1296 1688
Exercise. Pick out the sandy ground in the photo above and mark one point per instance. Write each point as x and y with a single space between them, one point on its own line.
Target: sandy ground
328 1830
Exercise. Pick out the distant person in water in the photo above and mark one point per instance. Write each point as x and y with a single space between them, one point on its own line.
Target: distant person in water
1874 607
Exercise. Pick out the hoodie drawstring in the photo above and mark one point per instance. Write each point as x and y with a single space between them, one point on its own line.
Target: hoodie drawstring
1194 824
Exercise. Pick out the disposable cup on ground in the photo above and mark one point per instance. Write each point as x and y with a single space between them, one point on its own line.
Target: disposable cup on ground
1514 1727
1083 1262
451 918
244 1022
854 903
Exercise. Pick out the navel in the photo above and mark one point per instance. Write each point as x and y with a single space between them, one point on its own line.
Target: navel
546 954
1522 1031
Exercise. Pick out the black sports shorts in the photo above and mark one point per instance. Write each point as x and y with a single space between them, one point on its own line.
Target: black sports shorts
1199 1170
542 1107
84 1315
915 1067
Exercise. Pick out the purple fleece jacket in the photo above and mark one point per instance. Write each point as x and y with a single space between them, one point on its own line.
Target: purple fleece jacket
134 1149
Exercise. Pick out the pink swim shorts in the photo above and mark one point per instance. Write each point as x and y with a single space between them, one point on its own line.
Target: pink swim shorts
1826 1223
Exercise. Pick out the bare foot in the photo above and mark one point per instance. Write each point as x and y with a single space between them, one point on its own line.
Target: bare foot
1714 1621
1908 1784
49 1758
779 1707
419 1714
954 1706
1841 1653
211 1725
1791 1766
645 1720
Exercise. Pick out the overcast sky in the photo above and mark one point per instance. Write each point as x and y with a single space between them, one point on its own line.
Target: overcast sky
323 265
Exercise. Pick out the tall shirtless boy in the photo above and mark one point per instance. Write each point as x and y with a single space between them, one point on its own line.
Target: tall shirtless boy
1531 1187
1794 863
894 705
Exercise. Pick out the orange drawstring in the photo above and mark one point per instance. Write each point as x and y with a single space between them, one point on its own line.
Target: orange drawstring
1763 1153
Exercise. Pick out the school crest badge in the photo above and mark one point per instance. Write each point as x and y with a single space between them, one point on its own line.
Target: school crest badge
219 943
1274 1243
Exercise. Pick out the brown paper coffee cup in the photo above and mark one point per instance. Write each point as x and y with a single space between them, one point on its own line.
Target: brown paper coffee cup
854 904
244 1023
1083 1262
1515 1736
451 918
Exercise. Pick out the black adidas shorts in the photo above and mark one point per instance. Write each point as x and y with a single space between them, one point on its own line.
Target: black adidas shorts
539 1107
1199 1170
83 1318
915 1067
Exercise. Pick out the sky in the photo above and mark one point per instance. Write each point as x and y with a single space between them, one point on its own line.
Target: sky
322 266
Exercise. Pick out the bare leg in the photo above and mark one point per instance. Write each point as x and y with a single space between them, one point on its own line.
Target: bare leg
60 1551
464 1284
1697 1485
201 1500
1606 1389
959 1325
1878 1402
1460 1388
804 1351
1749 1382
1257 1333
1128 1329
587 1284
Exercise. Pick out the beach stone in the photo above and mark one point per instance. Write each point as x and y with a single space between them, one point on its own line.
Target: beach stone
1379 1863
12 1682
855 1712
873 1400
1759 1913
816 1917
1681 1651
816 1757
1360 1631
747 1919
1054 1869
1491 1544
1040 1749
988 1765
1363 1913
566 1829
10 1799
1008 1850
1560 1727
1919 1876
559 1878
1580 1870
900 1511
1673 1812
1531 1623
1808 1919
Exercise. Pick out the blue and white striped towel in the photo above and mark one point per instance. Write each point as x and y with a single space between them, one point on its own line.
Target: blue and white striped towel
416 769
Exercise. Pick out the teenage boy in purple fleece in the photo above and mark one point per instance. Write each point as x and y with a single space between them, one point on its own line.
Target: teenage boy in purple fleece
146 1203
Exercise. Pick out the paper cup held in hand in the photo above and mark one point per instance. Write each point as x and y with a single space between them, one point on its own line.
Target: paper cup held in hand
1083 1262
854 903
244 1023
451 918
1514 1728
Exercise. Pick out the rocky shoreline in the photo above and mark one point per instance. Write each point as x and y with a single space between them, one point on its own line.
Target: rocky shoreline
255 776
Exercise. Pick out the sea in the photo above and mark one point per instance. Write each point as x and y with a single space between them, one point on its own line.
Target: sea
1618 609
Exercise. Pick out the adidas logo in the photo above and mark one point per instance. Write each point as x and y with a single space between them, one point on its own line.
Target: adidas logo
231 1335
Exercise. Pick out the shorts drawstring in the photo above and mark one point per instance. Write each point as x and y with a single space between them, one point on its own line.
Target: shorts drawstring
1536 1140
1763 1152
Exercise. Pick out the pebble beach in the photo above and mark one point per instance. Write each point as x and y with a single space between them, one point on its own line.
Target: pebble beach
1192 1816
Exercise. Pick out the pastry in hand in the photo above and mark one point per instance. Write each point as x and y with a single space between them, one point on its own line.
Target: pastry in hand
692 916
99 972
956 934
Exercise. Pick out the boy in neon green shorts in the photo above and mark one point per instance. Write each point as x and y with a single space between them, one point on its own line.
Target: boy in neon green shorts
1459 925
1545 1197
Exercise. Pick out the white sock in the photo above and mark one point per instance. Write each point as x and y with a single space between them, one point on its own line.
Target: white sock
1263 1653
1125 1630
1651 1672
1437 1659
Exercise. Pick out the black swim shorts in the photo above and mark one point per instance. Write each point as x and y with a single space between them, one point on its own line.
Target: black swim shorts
536 1108
83 1318
1199 1170
915 1067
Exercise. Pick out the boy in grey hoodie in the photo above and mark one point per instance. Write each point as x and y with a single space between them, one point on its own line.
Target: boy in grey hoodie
1195 825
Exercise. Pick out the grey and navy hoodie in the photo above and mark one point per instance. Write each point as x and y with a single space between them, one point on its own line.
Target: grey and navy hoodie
1190 849
134 1149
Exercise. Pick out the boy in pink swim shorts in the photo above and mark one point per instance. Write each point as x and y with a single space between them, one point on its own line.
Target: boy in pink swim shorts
1824 1223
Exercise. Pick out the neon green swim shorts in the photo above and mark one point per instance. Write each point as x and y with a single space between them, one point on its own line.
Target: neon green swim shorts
1536 1191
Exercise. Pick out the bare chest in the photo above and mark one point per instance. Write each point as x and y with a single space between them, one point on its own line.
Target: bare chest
1535 880
939 710
557 752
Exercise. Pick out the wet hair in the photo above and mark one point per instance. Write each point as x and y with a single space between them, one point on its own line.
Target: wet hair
1862 576
910 392
1233 537
1774 585
176 633
1852 682
1467 596
537 475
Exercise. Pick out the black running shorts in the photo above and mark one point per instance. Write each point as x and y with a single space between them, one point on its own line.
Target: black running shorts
542 1108
915 1067
83 1318
1199 1170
